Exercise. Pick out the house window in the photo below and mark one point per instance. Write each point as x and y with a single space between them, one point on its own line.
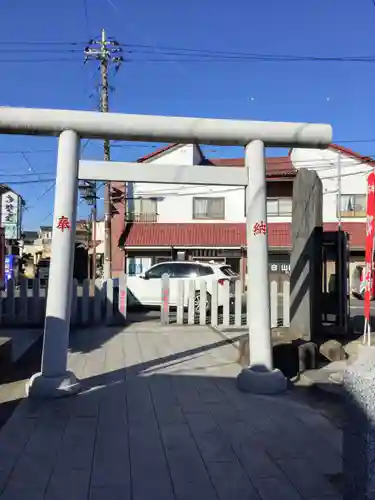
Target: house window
209 208
353 205
145 210
279 206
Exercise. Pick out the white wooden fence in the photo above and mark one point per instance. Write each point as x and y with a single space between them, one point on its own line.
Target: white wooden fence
108 302
221 306
92 304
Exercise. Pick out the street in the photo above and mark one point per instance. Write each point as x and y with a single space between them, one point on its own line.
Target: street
356 314
356 307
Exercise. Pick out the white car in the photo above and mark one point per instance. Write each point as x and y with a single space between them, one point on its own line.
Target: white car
146 288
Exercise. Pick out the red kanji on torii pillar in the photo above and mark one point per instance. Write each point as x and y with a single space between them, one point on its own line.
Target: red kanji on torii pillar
368 272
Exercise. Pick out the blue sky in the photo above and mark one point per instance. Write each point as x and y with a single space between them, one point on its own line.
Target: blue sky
342 94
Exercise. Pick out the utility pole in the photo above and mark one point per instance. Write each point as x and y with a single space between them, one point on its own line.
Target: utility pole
107 51
340 254
339 190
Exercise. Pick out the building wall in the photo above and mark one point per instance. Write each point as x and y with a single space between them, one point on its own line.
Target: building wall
118 227
325 162
175 201
100 237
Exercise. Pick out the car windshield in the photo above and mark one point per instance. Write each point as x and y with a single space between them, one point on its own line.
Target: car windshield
228 271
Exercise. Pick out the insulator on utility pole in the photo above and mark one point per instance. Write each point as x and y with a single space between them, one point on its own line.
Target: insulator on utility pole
106 51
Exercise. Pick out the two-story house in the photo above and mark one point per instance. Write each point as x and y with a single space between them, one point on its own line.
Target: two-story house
155 222
40 247
344 176
195 222
42 244
29 249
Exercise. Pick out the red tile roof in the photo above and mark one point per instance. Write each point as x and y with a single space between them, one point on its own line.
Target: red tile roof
188 234
157 152
353 154
276 166
223 234
347 152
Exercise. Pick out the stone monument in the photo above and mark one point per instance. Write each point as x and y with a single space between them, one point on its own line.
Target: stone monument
306 258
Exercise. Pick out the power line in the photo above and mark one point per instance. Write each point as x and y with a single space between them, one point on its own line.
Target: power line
192 51
55 60
182 191
24 174
11 183
130 144
319 164
51 212
318 168
325 162
40 51
29 164
211 58
31 151
41 42
188 55
80 43
180 51
45 192
86 13
220 60
210 55
243 60
154 194
163 60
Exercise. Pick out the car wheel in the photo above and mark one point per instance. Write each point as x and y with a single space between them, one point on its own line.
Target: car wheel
197 302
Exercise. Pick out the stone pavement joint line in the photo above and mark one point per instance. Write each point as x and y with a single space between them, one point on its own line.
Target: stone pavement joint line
160 417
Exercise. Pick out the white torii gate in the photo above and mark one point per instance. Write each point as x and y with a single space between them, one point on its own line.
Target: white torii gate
54 380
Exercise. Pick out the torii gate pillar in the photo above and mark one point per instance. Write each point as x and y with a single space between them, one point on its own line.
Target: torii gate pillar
54 380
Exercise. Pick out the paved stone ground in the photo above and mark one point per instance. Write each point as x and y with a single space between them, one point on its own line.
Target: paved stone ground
22 339
160 418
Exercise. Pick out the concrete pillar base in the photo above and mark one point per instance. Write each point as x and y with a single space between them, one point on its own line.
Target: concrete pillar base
40 386
259 380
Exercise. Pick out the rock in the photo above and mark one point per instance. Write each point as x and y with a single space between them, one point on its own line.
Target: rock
291 357
333 351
